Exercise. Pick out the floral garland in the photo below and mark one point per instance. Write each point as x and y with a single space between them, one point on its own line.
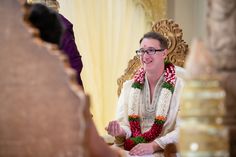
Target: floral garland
161 111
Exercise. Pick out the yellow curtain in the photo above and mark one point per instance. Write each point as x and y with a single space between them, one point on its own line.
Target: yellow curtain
107 34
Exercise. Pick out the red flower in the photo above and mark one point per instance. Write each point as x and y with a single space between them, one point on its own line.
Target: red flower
135 128
153 133
129 144
147 136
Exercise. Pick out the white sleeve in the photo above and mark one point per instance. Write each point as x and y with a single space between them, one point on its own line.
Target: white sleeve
171 137
122 108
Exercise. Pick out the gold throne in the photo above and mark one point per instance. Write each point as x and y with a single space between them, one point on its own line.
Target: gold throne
177 49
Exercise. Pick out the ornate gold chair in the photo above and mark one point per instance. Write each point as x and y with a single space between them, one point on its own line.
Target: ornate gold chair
177 48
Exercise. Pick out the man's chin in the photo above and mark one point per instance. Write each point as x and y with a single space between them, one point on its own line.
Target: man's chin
148 69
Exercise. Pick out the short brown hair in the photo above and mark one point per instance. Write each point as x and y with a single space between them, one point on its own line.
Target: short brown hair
154 35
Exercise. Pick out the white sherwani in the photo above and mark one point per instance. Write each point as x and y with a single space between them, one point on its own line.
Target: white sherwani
147 111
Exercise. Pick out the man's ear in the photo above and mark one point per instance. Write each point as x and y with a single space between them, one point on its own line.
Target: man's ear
165 52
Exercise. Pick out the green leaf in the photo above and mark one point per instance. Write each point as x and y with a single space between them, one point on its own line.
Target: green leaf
168 86
137 85
138 139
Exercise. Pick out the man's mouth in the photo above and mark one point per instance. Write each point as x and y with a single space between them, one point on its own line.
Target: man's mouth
147 62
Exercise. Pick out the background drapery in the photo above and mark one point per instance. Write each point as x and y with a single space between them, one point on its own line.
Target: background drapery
107 34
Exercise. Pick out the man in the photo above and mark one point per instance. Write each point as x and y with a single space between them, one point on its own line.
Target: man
149 103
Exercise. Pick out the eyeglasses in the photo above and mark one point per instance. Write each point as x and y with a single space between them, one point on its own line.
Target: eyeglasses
149 51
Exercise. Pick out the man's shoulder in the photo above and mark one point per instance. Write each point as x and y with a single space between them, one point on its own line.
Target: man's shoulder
180 75
128 83
180 72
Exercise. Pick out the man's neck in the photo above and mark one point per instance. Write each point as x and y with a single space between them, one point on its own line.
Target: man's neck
153 77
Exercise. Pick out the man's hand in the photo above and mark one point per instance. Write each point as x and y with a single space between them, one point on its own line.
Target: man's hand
144 149
114 129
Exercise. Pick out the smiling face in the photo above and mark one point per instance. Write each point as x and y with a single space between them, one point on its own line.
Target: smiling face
152 63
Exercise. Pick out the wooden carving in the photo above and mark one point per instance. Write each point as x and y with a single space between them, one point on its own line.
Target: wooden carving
133 65
177 49
43 112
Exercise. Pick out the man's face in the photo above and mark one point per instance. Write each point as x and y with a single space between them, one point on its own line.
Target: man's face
152 62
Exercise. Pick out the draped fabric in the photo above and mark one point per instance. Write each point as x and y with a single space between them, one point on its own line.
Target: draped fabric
107 33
